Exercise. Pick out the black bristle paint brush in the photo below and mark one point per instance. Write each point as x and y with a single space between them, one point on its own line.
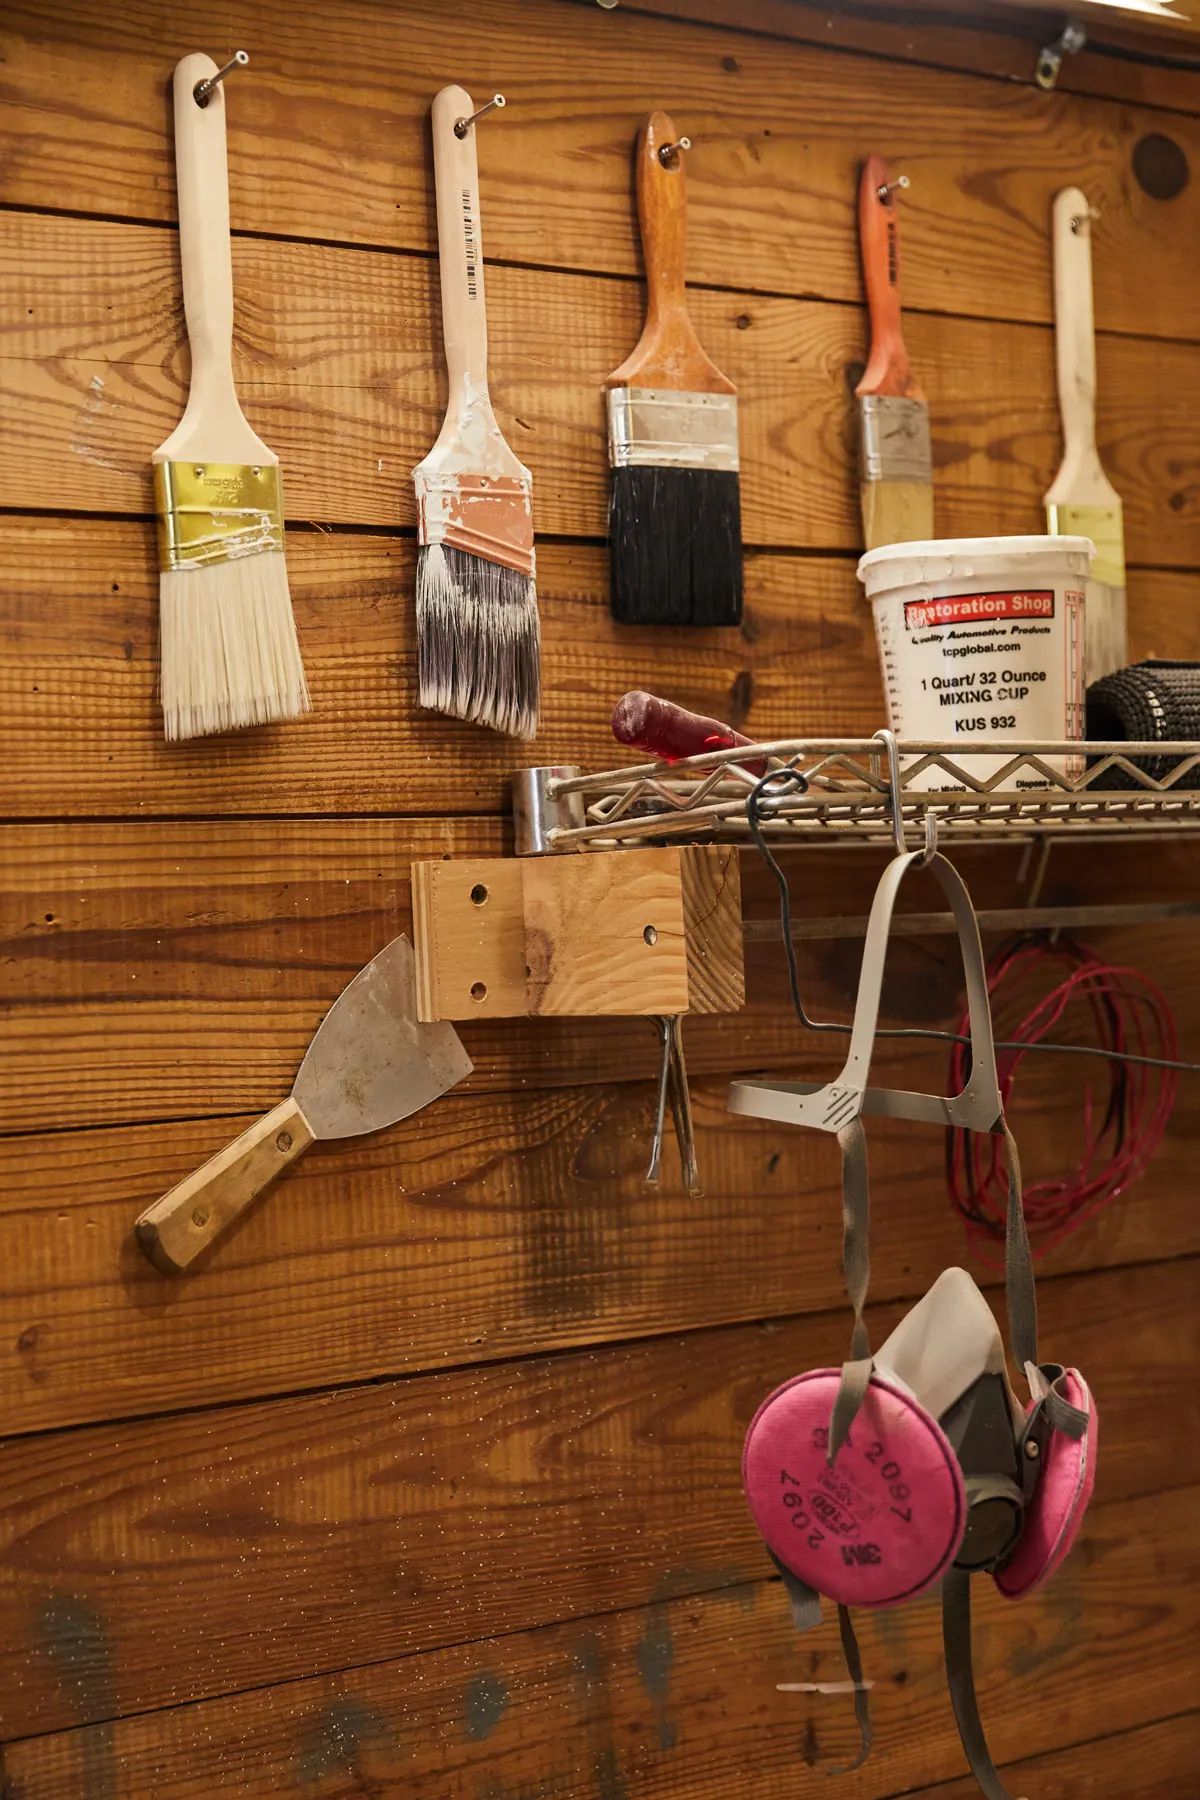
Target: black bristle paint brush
675 545
477 619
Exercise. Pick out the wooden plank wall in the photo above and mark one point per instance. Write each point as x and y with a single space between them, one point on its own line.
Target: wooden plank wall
428 1484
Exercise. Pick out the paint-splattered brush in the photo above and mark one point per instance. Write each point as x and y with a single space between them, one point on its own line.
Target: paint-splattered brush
228 637
675 515
1082 501
477 618
896 478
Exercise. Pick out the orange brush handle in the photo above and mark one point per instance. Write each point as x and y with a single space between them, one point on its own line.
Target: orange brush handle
668 354
888 370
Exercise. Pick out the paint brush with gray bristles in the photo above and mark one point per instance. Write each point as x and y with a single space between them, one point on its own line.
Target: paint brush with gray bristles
477 619
675 546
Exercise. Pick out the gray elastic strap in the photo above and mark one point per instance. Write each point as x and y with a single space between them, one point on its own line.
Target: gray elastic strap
856 1266
804 1601
960 1674
1018 1265
862 1708
1046 1384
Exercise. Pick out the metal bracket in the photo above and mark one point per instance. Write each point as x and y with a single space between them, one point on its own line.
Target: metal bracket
1050 56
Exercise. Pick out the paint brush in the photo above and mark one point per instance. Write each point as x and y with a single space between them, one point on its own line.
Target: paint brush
1082 501
229 651
675 547
477 618
896 480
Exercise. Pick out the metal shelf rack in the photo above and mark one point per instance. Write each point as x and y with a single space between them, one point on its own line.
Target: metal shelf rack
868 790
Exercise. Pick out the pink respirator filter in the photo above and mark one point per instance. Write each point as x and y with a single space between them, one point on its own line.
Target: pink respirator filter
880 1526
1065 1483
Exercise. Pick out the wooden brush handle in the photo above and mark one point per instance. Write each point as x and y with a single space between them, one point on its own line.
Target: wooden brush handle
460 244
202 183
669 354
213 428
888 370
184 1222
1074 320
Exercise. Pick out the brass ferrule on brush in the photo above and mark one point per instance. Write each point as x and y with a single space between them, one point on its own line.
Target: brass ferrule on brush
216 512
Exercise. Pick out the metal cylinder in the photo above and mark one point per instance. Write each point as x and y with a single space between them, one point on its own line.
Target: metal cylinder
538 811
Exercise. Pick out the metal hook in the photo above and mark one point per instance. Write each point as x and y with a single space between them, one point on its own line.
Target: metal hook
202 93
886 189
668 154
931 838
888 740
1085 218
1050 56
462 126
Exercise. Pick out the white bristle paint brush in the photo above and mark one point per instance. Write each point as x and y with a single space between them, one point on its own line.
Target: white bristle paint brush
478 649
675 523
1082 501
228 645
896 477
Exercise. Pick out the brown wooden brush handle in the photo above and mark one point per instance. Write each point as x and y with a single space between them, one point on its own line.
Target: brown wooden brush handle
888 370
669 354
184 1222
460 242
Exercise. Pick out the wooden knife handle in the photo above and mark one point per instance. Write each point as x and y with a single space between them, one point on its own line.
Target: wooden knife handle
888 370
184 1222
669 354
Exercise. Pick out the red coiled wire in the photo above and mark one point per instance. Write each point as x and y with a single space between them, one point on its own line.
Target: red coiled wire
1122 1126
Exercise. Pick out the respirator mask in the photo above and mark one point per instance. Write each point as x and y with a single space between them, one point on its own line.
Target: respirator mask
918 1464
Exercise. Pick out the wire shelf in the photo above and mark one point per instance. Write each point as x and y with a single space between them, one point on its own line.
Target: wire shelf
855 787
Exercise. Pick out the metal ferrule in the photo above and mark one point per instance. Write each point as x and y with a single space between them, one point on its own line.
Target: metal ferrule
215 512
1104 525
538 811
657 428
894 439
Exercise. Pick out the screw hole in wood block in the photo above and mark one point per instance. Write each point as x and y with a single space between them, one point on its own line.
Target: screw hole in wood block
479 990
650 935
479 893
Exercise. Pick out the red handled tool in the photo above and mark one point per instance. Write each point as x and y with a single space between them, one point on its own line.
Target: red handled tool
671 732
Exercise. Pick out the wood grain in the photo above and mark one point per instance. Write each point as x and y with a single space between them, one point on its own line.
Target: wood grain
490 1227
952 34
80 730
1160 1759
161 970
681 1699
269 1542
780 129
336 365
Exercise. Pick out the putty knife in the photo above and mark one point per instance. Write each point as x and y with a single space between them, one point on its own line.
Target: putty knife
369 1065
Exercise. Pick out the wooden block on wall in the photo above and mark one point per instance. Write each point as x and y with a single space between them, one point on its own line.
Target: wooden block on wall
712 918
468 923
630 932
604 934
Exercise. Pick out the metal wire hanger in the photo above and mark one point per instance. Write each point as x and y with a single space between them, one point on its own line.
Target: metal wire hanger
777 781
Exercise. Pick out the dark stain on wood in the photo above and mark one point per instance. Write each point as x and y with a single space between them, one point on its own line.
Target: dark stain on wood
486 1703
333 1742
71 1634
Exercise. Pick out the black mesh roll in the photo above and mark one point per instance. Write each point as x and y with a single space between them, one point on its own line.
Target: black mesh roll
1147 703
